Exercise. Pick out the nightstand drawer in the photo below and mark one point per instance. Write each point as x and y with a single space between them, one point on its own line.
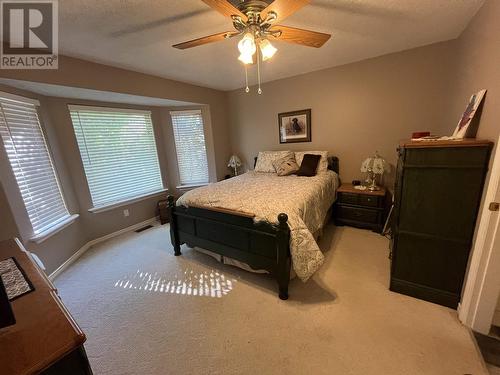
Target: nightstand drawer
357 214
348 198
360 208
368 200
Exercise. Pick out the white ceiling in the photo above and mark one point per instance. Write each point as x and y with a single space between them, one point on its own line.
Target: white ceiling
138 34
88 94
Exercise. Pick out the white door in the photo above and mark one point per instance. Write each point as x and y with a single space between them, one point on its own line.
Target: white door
482 286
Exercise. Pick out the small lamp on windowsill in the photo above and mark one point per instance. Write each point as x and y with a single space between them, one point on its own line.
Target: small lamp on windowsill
374 166
234 162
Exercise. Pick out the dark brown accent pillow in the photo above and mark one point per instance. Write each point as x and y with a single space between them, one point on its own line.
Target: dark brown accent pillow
309 165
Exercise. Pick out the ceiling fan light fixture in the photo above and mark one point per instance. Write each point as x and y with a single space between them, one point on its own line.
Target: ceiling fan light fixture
246 45
257 20
246 59
267 49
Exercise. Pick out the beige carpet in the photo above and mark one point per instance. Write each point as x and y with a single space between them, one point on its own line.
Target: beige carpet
147 312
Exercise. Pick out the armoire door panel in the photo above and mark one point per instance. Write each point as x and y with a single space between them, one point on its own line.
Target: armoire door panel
430 261
437 195
441 202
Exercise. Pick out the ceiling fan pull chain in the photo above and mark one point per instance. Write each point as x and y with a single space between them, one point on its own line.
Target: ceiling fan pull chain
258 71
247 89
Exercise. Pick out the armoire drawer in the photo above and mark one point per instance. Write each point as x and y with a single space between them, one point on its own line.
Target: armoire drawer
446 157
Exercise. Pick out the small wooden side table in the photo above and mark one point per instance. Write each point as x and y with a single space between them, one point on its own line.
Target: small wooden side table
360 208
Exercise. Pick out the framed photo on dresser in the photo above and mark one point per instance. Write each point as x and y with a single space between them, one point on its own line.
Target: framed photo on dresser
295 126
464 128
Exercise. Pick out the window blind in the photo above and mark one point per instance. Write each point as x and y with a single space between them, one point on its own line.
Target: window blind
118 152
190 147
31 162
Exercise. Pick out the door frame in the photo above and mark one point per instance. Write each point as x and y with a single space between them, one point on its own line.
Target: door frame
482 286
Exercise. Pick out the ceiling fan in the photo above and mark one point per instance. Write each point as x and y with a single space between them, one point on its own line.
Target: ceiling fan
257 21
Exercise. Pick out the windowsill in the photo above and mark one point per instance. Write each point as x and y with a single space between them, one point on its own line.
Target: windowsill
126 202
39 238
191 186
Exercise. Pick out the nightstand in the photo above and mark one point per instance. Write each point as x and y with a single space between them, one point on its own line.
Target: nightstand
360 208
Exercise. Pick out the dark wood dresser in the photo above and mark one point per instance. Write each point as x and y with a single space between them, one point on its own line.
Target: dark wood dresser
439 185
45 339
360 208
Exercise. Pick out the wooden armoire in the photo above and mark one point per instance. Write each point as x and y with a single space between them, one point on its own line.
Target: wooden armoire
438 191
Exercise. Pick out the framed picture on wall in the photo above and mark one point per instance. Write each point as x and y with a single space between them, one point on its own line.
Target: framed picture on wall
295 126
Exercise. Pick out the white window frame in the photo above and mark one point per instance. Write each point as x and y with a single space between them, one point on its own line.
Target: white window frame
121 202
188 186
13 192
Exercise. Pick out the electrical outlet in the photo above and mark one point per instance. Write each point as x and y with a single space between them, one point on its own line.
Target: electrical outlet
126 213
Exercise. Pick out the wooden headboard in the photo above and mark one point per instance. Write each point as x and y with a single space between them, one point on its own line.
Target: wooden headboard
333 163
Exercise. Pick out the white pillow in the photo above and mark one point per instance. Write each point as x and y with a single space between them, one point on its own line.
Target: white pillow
266 158
323 162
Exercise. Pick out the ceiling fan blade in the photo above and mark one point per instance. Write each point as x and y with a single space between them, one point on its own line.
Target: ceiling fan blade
205 40
300 36
225 8
283 8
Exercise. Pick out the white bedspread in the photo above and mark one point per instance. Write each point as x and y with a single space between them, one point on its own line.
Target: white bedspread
306 201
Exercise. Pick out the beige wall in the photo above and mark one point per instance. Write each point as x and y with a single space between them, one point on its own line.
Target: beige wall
74 72
478 67
357 109
62 143
99 224
58 248
8 227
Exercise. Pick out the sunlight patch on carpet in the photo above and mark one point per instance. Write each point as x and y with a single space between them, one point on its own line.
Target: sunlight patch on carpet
191 283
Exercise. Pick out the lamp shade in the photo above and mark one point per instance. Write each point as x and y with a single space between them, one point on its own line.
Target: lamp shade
246 59
247 45
234 162
267 49
375 164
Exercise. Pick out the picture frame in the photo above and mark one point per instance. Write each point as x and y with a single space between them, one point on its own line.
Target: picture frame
472 112
295 126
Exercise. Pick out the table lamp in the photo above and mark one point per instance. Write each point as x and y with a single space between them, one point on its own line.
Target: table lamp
234 162
374 166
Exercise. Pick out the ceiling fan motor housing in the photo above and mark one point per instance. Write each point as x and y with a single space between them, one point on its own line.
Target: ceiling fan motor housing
260 18
254 23
254 6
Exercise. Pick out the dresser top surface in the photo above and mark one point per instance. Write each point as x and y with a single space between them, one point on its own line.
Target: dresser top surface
44 330
466 142
349 188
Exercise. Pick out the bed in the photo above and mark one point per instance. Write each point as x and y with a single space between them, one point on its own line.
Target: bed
260 219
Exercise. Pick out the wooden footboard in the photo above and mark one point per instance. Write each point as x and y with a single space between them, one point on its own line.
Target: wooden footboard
260 245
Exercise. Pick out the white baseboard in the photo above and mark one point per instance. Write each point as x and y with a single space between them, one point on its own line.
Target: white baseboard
93 242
